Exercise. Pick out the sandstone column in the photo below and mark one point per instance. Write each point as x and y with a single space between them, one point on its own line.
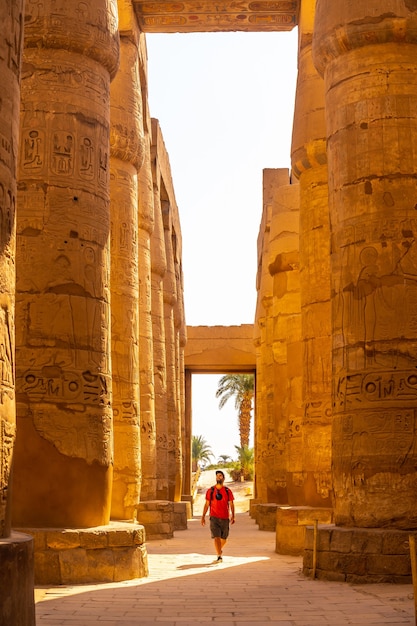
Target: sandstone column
367 54
146 344
278 388
270 461
63 376
172 359
16 549
127 154
159 264
309 165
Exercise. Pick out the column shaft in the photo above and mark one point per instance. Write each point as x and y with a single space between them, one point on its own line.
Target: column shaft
64 451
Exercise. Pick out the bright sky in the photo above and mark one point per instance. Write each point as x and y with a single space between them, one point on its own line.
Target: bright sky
225 104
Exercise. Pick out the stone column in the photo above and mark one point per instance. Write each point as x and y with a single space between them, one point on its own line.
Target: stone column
127 155
278 388
309 165
269 476
159 265
368 60
172 352
64 450
285 336
16 549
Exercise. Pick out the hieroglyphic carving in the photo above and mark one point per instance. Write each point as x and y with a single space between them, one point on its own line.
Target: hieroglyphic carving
363 389
207 16
56 385
7 437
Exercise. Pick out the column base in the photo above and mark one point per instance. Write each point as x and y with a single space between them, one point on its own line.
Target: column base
157 517
17 603
66 556
359 555
291 523
190 501
266 516
181 515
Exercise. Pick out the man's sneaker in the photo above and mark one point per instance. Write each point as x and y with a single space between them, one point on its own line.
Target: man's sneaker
219 559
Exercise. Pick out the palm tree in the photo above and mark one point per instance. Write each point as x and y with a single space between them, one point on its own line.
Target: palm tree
245 459
200 452
241 387
223 459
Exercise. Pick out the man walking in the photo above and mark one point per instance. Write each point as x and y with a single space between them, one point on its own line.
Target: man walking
219 499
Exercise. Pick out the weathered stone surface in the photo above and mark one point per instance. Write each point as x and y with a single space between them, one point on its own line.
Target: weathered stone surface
371 130
357 555
109 553
127 148
63 460
278 436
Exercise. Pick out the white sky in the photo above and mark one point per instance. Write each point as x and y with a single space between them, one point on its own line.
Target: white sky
225 104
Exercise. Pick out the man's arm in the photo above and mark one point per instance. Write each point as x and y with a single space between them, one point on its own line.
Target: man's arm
232 510
203 516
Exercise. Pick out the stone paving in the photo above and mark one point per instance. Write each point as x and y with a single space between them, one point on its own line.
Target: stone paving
253 585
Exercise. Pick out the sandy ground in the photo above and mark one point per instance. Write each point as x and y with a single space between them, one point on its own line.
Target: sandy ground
242 492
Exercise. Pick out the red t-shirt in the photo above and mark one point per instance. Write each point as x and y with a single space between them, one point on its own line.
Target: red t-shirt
219 508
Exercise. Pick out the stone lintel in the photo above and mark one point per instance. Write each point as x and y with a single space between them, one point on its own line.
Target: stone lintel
209 16
17 603
220 349
110 553
157 517
359 555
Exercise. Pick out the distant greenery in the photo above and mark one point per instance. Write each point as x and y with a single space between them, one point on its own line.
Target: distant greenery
243 466
200 452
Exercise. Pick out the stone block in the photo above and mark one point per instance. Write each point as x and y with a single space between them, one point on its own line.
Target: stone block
341 541
307 515
189 502
62 539
39 538
324 535
289 539
101 565
267 516
180 515
157 517
396 542
365 542
138 535
119 538
287 516
73 565
93 539
388 564
253 510
47 568
92 561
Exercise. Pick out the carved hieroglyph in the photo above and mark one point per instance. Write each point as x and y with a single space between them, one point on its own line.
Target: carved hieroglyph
309 164
11 33
165 16
127 155
369 66
63 376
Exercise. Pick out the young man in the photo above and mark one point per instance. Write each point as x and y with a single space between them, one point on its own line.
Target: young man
219 499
